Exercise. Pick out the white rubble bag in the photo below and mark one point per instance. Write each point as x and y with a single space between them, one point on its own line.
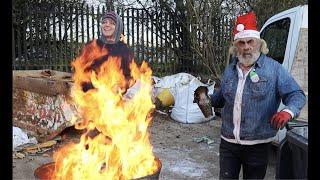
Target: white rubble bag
182 87
164 88
184 110
170 82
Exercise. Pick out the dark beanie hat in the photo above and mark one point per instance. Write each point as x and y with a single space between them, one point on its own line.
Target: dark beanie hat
112 15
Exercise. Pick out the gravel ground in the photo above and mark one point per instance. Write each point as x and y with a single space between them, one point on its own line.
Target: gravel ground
173 143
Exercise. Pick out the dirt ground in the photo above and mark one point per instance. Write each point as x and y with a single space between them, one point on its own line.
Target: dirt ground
175 144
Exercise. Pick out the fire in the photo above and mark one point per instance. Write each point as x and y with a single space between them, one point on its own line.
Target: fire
116 144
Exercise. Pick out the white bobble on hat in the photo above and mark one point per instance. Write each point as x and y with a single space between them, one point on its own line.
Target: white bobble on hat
240 27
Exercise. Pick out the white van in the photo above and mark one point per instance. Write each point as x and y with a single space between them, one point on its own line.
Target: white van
286 34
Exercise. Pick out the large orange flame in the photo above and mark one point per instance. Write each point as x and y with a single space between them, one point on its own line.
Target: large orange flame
120 147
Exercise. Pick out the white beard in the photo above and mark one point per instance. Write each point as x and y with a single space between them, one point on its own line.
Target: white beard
248 59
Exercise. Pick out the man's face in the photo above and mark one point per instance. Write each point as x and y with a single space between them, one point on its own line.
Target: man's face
108 27
248 50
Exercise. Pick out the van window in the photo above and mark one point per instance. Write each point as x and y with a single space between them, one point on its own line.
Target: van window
276 35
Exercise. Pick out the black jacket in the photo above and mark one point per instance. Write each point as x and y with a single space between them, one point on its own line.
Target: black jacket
118 49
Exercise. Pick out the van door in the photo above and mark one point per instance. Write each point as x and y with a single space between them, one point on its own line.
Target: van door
281 32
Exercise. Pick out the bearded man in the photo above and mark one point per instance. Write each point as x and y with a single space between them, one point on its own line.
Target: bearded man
252 87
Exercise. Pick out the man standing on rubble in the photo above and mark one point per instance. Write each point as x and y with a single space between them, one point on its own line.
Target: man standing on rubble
252 88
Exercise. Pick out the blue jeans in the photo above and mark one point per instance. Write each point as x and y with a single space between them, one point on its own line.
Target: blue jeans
253 158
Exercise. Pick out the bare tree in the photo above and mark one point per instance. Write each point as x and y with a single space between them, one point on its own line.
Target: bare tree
197 26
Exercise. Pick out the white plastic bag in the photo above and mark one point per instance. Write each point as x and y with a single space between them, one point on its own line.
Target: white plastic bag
19 138
133 90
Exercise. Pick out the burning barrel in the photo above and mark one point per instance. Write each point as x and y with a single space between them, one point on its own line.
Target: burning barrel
46 171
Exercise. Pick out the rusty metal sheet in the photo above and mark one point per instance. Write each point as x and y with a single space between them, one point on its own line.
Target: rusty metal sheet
46 82
40 110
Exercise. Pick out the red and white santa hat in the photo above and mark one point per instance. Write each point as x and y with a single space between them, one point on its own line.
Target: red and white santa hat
246 26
